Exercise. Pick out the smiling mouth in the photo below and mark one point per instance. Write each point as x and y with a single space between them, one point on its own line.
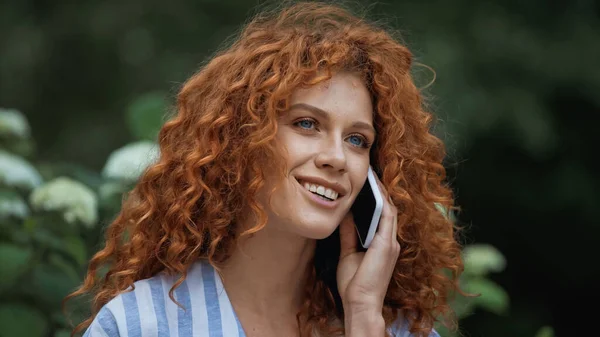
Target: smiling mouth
320 191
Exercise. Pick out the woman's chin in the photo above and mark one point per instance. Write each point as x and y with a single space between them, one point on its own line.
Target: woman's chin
316 231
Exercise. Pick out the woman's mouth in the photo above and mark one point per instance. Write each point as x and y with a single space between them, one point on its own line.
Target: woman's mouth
319 190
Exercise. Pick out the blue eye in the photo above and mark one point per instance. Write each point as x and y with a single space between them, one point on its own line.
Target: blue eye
306 124
357 141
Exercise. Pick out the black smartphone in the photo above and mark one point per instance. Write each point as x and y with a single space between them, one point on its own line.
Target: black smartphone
366 209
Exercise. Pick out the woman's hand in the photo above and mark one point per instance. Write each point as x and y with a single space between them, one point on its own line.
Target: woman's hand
363 277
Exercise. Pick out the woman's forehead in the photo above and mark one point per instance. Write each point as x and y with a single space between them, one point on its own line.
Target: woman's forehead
340 88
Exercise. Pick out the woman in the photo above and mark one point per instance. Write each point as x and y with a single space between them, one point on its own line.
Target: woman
223 236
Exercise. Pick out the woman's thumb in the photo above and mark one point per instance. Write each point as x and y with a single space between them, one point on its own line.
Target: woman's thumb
348 236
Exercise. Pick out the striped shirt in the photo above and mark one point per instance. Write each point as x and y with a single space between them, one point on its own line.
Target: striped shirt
148 311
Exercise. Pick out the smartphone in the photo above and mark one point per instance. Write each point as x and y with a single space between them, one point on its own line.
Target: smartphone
366 209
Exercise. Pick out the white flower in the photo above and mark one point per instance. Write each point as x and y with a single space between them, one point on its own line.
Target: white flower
75 200
483 258
16 171
13 123
11 204
130 161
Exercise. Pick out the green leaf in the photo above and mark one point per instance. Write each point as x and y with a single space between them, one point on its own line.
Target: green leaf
75 246
20 236
58 318
50 284
46 238
76 249
446 213
75 171
21 147
480 259
78 309
12 205
444 331
62 333
462 306
493 298
20 320
145 115
545 331
13 262
30 224
66 267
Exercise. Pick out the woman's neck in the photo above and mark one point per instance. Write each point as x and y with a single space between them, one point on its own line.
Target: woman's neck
266 274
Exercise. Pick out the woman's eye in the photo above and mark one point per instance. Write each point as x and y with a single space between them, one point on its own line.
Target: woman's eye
306 124
357 140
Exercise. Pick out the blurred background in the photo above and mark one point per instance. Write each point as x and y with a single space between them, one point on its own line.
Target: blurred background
84 87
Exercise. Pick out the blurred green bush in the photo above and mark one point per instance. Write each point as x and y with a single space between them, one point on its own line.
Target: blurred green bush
51 221
52 216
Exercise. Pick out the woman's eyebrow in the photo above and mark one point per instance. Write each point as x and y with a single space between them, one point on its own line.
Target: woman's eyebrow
325 115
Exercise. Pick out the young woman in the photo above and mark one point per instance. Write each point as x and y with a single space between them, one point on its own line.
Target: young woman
243 227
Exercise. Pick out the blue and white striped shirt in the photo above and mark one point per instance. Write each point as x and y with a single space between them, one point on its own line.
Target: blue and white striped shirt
149 312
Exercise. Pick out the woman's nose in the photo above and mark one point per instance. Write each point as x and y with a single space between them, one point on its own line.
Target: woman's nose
333 155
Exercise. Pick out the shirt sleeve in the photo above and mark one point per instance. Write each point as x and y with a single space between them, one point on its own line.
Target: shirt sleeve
104 325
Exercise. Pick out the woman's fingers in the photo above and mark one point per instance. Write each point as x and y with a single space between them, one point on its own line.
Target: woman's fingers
393 213
380 259
389 212
348 237
363 278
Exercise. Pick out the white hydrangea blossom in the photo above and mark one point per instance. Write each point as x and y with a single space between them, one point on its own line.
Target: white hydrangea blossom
130 161
13 205
13 123
16 171
483 258
76 201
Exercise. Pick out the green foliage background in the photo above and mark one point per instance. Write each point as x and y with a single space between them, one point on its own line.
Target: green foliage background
516 90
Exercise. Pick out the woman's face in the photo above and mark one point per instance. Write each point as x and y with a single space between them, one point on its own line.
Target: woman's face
327 133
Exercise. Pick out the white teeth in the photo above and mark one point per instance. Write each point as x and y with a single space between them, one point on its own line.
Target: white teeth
334 195
321 190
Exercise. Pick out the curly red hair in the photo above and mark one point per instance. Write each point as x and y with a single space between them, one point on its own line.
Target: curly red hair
214 151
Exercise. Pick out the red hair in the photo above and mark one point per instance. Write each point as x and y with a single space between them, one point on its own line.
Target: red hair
214 151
